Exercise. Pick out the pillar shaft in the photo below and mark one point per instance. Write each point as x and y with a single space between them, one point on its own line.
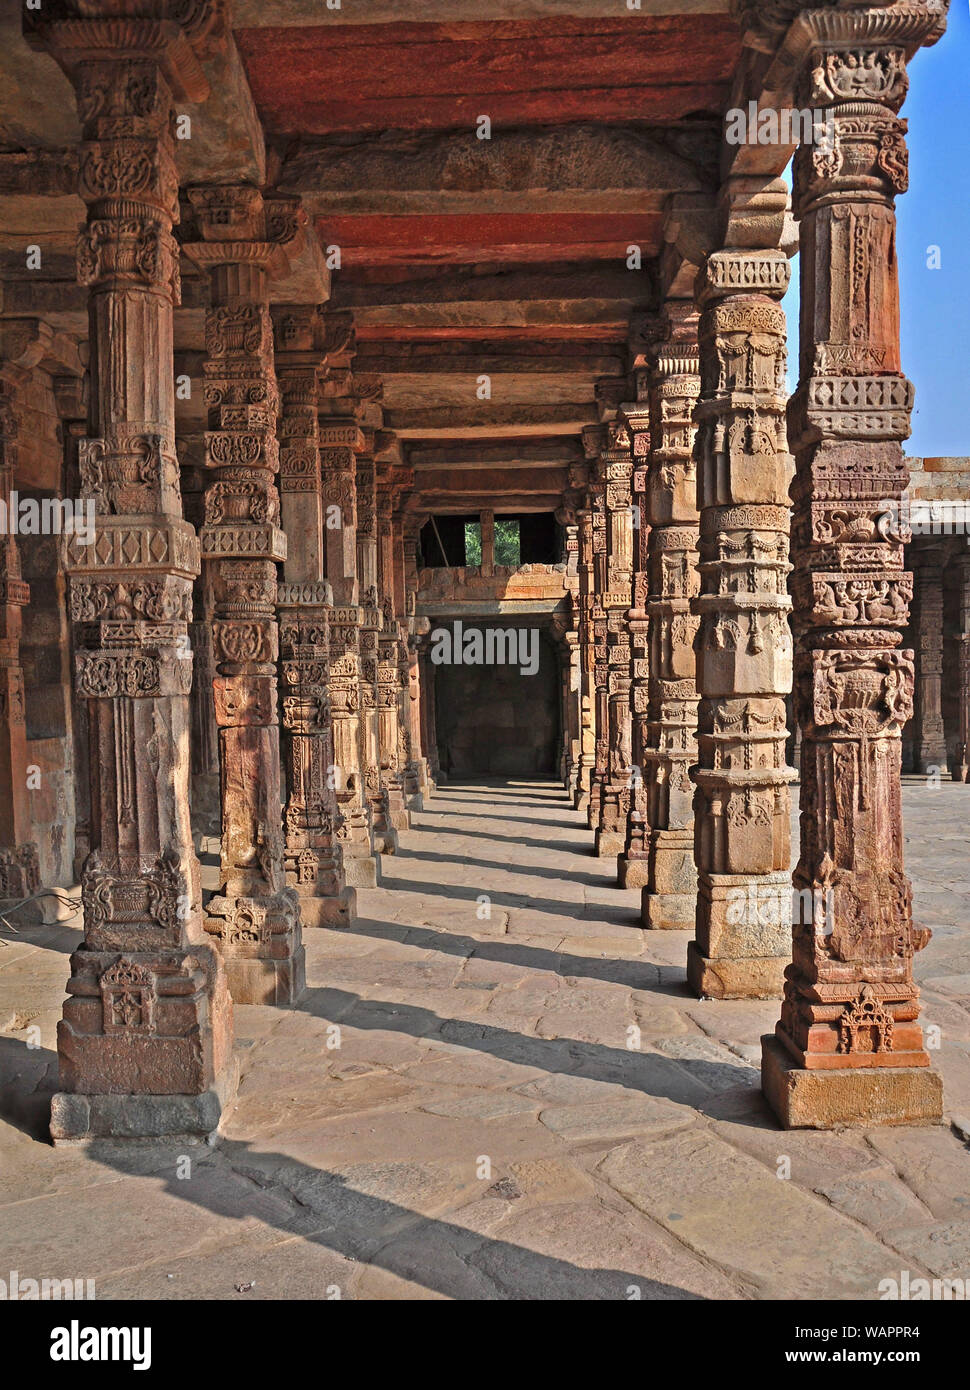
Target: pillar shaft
742 829
19 865
849 1046
587 694
145 1040
340 438
961 767
313 855
254 917
930 740
671 525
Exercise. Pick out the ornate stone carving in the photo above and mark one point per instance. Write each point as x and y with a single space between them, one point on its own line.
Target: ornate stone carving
850 1010
743 644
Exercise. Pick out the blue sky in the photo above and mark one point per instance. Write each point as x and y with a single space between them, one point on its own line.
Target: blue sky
934 212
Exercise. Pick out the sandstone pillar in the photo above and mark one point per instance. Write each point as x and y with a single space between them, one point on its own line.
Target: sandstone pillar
671 525
418 778
742 826
929 738
393 734
145 1040
617 472
340 438
961 767
849 1047
313 856
587 605
19 867
244 240
372 623
633 864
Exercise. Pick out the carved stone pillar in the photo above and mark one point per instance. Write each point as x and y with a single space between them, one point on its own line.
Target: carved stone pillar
616 467
145 1042
372 624
742 833
418 782
929 740
340 438
429 727
393 736
313 856
19 866
587 600
849 1047
670 892
961 766
632 864
254 917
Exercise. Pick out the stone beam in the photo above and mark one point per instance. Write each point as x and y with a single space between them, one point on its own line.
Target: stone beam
507 454
490 418
578 301
570 169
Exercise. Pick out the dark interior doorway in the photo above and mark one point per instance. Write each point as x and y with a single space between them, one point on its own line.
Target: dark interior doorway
494 720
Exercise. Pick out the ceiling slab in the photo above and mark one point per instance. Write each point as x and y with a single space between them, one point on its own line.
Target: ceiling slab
318 80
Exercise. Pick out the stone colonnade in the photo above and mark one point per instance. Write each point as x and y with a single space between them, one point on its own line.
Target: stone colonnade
674 705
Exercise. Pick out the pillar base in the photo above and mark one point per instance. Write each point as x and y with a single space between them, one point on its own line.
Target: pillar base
361 870
339 910
609 843
632 873
668 911
751 977
856 1097
385 840
80 1119
279 982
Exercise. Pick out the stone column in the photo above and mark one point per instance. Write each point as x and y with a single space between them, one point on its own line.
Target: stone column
429 728
742 832
669 897
633 864
19 865
393 735
849 1047
145 1042
372 623
587 601
243 242
418 762
929 740
616 466
340 438
313 856
961 767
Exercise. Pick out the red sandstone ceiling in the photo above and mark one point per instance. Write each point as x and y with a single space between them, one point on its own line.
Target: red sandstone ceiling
464 239
324 79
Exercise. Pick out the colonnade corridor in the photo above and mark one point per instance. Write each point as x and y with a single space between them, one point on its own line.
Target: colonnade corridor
497 1085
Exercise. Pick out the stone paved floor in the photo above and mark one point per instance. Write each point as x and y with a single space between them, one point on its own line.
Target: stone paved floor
484 1129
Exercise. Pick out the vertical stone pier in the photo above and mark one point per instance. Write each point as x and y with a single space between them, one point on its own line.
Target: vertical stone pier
670 893
742 834
244 241
848 1049
145 1041
313 856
